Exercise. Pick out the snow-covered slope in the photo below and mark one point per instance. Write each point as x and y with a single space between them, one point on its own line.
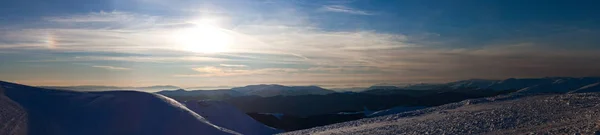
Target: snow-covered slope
13 118
227 116
102 113
513 114
394 110
529 85
595 87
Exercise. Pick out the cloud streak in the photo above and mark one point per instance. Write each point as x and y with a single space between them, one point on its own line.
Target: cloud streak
112 68
232 65
344 9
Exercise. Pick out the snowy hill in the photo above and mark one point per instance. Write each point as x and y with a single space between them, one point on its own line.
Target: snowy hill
13 117
595 87
264 90
514 114
101 113
394 110
227 116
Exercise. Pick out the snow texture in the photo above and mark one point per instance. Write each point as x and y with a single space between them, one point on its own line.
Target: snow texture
513 114
13 118
394 110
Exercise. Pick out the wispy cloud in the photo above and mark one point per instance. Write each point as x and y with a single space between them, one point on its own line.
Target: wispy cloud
211 71
112 67
102 16
232 65
344 9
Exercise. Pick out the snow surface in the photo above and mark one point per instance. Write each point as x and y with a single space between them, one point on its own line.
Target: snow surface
394 110
61 112
227 116
512 114
13 118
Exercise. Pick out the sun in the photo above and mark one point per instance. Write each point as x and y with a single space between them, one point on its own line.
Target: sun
204 38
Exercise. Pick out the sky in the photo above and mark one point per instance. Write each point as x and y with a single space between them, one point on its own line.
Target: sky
330 43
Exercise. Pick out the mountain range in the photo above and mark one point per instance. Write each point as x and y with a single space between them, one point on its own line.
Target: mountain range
534 85
263 90
521 85
530 85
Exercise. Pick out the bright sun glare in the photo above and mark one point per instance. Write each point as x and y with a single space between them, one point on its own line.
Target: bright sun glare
204 38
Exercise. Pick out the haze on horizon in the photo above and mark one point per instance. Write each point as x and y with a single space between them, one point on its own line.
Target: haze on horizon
342 43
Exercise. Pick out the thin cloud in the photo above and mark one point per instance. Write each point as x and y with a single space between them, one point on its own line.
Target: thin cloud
232 65
344 9
112 68
92 17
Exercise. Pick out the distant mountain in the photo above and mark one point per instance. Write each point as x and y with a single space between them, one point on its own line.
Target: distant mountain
521 85
265 90
382 87
208 88
262 90
182 94
530 85
423 86
352 89
112 88
60 112
472 83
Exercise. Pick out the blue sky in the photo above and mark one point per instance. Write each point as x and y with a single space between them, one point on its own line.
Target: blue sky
335 43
